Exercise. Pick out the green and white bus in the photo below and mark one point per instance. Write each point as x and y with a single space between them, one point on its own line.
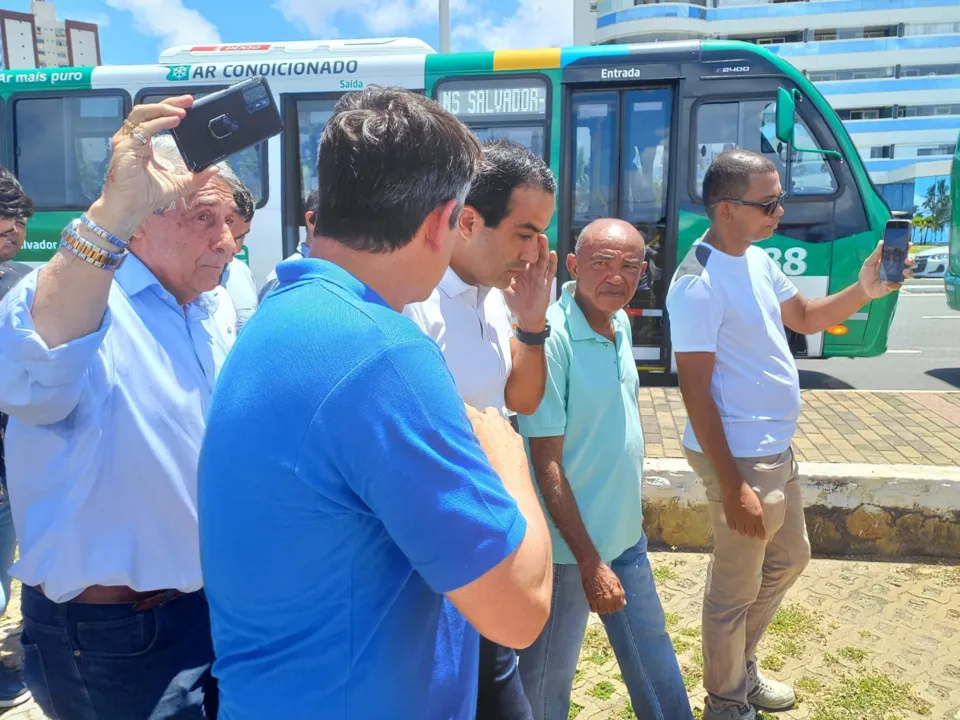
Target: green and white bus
951 279
628 130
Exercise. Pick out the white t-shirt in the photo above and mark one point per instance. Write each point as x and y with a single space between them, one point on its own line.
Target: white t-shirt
730 305
472 327
242 287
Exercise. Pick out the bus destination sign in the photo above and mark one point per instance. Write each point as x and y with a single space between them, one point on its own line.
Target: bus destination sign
500 99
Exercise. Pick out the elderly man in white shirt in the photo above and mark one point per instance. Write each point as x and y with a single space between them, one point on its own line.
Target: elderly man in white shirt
501 267
108 357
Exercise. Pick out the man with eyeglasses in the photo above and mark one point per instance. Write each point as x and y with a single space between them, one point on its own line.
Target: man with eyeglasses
728 305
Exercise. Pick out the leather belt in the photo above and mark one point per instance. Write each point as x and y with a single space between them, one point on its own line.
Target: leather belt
121 594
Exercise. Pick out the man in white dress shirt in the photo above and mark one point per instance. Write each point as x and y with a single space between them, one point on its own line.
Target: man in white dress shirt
501 266
109 357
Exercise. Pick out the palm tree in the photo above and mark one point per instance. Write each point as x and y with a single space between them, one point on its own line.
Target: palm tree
923 224
937 205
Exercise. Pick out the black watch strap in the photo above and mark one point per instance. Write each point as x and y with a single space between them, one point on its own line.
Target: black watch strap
532 338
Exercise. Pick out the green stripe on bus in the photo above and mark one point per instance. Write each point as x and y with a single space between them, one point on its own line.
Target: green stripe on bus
12 81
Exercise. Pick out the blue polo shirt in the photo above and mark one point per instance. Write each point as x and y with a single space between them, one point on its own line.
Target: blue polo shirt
591 399
342 492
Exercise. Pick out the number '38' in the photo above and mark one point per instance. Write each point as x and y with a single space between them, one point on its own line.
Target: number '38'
793 260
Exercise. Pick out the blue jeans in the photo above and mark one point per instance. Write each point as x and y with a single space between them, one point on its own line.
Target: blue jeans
9 678
105 662
499 690
8 545
637 633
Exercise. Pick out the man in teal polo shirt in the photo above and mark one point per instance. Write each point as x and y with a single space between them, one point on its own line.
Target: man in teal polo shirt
585 444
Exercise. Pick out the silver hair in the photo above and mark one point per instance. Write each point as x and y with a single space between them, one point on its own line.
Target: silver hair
167 155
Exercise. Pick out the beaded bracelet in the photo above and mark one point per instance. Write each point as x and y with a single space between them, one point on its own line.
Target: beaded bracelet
103 234
89 252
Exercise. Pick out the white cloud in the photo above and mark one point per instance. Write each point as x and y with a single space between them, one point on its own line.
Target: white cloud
170 21
535 23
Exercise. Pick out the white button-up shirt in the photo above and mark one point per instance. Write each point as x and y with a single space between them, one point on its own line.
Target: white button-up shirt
473 327
104 437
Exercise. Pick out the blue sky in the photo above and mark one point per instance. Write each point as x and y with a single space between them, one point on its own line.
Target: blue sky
134 31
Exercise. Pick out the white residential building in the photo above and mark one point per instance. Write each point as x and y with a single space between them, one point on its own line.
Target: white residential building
38 40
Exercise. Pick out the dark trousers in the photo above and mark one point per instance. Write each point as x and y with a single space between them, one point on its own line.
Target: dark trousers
500 692
111 662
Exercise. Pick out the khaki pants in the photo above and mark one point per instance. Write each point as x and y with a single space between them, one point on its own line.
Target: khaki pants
748 577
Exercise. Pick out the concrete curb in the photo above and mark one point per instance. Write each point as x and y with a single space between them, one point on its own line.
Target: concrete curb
852 508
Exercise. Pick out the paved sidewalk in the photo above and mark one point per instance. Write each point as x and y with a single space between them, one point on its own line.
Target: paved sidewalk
842 426
860 640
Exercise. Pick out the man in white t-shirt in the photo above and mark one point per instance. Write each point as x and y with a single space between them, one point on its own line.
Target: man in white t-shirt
501 266
728 304
303 249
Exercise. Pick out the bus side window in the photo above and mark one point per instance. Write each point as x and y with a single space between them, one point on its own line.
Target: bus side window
312 115
63 146
595 148
751 124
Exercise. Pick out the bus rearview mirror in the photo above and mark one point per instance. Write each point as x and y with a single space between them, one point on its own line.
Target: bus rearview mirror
786 112
786 122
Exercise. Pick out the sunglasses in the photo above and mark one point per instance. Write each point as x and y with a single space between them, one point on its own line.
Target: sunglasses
769 208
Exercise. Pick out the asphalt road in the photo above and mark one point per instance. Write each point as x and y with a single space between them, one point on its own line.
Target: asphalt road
923 350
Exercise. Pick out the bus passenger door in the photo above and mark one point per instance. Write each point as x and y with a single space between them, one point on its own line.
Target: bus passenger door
617 158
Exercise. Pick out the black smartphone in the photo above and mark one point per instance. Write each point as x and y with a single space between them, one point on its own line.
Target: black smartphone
225 122
896 236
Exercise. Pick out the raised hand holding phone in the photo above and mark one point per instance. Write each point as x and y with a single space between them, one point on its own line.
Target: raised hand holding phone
890 263
226 122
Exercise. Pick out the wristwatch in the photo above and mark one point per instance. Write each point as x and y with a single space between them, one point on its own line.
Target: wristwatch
532 338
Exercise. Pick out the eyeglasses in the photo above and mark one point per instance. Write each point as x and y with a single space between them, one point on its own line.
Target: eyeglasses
769 208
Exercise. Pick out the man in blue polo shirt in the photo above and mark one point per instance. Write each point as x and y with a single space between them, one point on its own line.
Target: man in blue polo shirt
350 542
586 449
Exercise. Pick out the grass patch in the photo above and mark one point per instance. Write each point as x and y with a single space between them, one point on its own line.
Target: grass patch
577 675
866 634
691 677
698 714
626 712
596 646
853 653
574 710
602 690
790 648
672 619
664 573
808 684
772 662
794 623
680 645
691 632
831 660
692 670
873 696
619 676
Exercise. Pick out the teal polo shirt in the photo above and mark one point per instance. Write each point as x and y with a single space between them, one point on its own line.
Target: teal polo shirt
591 399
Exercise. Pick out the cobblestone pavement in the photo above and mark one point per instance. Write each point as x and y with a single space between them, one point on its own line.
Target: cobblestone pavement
915 428
860 640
